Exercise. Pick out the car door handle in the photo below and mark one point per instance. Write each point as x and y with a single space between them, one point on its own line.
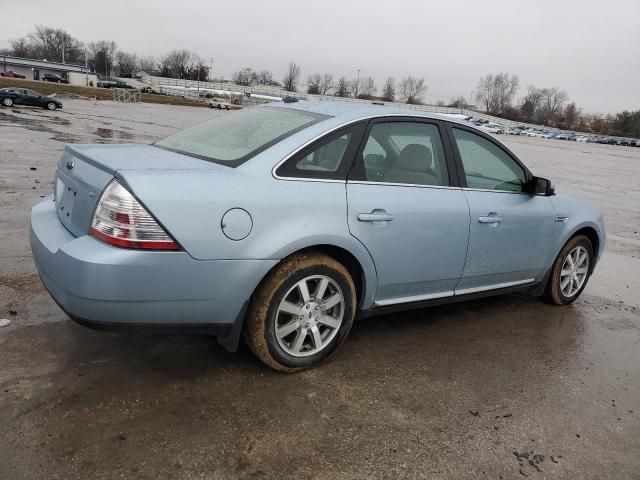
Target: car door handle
492 218
375 216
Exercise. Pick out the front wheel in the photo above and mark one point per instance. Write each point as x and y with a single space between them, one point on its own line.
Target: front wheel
7 102
570 271
51 106
301 313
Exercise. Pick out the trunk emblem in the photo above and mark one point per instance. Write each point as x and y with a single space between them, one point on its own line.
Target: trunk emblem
71 163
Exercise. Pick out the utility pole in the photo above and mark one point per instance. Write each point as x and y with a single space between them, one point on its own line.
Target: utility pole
357 89
211 71
86 68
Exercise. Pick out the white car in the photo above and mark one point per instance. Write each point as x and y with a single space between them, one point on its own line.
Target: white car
581 138
220 105
492 128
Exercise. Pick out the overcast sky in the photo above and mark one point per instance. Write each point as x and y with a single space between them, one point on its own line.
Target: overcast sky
589 48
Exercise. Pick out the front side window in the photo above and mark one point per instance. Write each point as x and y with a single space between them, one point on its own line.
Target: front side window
405 152
232 139
487 166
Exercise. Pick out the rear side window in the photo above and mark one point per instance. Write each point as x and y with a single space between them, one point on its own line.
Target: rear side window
405 152
487 166
235 137
328 158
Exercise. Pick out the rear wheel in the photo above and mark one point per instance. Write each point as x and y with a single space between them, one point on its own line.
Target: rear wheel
570 272
7 102
301 313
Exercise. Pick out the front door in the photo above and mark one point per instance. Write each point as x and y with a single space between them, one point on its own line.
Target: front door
511 230
406 211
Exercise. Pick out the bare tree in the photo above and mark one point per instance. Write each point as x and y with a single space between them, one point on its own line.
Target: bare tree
570 116
389 90
314 84
265 77
342 87
412 89
355 86
368 88
326 84
291 77
496 92
126 63
530 103
102 54
246 76
54 44
147 64
458 102
553 100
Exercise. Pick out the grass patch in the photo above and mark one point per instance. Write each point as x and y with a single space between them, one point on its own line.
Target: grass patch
61 89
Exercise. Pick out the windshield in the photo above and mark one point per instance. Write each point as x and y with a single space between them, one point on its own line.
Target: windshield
233 138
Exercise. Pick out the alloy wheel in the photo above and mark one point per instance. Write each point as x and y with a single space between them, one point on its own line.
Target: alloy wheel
574 271
309 316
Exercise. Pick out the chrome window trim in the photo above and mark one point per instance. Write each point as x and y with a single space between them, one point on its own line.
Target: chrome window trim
495 191
327 132
495 286
390 184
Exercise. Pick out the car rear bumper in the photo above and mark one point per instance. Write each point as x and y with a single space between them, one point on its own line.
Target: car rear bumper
106 286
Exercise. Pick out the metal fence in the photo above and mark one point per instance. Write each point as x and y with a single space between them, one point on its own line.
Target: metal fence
126 95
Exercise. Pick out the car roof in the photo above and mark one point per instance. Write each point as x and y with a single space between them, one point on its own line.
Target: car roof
346 112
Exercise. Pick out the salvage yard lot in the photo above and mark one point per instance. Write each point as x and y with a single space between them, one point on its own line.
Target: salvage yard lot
500 388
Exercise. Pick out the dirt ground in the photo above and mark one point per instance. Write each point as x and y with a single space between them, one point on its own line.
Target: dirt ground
503 388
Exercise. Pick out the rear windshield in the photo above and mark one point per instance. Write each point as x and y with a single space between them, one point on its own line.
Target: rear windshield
234 137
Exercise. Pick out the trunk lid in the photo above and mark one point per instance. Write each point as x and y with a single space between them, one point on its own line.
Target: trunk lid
84 171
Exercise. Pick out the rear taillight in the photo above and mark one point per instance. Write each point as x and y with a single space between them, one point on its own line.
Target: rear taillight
120 220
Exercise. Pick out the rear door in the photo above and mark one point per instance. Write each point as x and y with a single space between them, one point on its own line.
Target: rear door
405 206
511 231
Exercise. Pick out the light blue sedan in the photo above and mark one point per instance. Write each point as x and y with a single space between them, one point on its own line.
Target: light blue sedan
283 222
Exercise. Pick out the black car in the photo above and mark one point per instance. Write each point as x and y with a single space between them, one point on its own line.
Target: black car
52 77
24 96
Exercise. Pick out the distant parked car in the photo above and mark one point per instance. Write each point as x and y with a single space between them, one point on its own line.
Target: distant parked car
582 138
492 128
11 74
52 77
106 84
512 131
24 96
219 104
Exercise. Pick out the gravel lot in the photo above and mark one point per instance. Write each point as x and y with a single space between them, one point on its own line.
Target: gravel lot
502 388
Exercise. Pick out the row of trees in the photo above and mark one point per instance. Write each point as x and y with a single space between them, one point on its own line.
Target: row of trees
497 94
410 89
103 56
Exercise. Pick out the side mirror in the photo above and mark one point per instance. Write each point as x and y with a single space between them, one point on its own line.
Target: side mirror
541 186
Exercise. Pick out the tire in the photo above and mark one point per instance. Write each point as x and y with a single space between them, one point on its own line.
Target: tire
557 291
51 106
286 352
7 102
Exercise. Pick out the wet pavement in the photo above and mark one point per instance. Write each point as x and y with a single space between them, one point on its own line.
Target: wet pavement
506 387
